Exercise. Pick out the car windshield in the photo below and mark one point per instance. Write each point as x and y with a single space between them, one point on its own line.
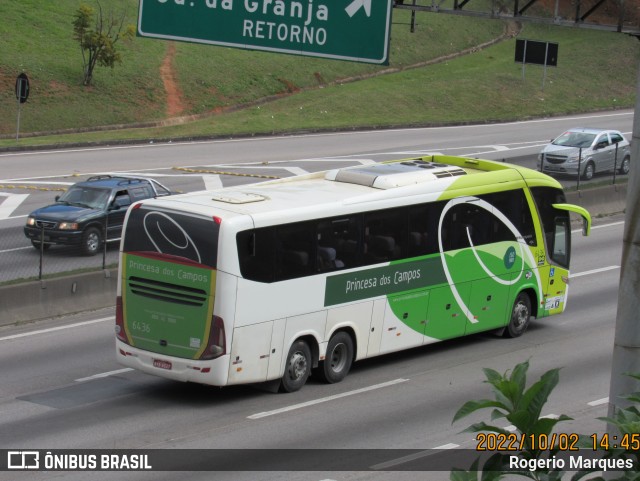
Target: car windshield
575 139
86 197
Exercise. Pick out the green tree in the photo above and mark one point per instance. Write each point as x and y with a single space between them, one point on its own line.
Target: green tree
98 33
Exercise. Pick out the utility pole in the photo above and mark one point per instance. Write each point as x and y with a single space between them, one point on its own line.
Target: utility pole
626 348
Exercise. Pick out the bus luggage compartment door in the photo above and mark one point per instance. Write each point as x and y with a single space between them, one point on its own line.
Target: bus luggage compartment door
250 351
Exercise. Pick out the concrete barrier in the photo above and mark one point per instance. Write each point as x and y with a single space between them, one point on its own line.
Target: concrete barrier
35 300
600 201
95 290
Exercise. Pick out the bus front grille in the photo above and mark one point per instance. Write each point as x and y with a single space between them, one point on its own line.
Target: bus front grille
167 292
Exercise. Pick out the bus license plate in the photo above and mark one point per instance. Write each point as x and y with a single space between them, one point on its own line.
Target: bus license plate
162 364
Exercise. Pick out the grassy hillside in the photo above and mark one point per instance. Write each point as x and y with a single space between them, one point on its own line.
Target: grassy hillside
36 37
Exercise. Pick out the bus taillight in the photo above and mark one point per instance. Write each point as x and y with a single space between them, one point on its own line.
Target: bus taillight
216 344
120 332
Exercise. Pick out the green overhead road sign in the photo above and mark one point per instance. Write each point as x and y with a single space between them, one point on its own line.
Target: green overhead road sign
355 30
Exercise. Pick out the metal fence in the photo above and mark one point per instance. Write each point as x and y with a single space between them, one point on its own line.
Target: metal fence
22 261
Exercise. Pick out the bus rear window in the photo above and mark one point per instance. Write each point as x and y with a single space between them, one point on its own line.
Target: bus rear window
186 236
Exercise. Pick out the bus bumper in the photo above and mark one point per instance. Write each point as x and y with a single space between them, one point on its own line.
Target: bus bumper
214 372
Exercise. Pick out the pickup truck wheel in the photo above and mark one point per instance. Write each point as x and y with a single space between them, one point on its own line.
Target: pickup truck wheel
91 241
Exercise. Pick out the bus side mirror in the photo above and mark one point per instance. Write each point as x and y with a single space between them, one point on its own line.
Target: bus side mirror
581 211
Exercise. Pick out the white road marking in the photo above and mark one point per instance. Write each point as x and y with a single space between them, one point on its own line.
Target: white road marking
15 248
212 182
593 227
11 203
411 457
104 374
512 428
53 329
296 170
448 446
293 407
593 271
598 402
37 182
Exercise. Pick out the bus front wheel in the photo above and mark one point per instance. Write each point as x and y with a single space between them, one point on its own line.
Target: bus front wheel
337 362
520 316
297 368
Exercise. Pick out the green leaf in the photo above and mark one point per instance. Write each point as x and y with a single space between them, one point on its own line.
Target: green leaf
519 377
537 395
504 398
484 427
497 414
492 376
472 406
521 420
544 426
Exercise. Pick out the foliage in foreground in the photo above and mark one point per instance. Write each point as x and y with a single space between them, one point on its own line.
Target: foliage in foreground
522 408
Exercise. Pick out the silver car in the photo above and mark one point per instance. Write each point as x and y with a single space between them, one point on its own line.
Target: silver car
593 150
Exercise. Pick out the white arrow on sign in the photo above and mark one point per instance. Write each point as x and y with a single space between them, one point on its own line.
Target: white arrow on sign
354 6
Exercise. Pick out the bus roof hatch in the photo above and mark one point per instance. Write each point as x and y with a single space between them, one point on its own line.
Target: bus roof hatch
397 174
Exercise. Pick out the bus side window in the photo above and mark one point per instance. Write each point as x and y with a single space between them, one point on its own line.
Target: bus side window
295 250
559 246
557 234
256 253
514 206
327 247
346 236
385 235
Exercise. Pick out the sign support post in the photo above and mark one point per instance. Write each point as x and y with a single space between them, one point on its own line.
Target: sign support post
22 94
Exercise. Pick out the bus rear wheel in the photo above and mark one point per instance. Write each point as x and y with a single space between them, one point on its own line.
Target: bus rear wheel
520 316
337 362
297 368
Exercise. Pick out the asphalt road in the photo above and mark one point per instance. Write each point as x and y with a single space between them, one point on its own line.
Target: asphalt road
61 387
32 179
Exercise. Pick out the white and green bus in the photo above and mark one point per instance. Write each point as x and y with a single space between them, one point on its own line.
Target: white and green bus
275 280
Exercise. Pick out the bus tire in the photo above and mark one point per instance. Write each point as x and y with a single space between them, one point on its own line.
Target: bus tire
338 360
297 367
520 316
